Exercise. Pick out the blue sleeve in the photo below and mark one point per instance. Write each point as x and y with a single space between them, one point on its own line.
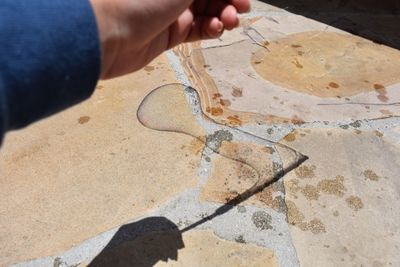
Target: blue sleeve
49 58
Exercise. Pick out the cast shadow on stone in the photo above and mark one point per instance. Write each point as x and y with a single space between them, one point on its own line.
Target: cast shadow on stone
142 243
377 21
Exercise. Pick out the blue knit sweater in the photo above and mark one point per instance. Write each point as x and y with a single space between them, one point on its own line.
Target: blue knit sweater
49 58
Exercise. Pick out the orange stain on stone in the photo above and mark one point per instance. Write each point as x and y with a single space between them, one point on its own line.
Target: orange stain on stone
215 111
84 119
334 85
234 120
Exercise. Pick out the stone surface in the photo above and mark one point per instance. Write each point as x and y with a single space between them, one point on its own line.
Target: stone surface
343 204
230 178
196 248
89 169
146 170
307 70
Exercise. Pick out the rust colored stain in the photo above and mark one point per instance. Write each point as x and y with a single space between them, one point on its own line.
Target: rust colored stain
225 102
297 63
215 111
334 85
297 121
234 120
290 137
84 119
382 93
216 95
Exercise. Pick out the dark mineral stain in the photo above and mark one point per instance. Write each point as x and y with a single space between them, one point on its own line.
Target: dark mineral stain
378 86
297 63
378 133
240 239
310 192
262 220
237 92
354 203
305 171
333 186
296 46
84 119
381 90
371 175
334 85
296 218
355 124
225 102
316 226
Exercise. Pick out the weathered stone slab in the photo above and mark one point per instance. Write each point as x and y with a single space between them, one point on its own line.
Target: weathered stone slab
89 169
287 68
343 203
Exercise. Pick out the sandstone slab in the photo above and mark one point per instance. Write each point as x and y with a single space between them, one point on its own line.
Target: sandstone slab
285 68
343 204
89 169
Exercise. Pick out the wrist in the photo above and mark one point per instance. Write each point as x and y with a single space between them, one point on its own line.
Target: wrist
108 32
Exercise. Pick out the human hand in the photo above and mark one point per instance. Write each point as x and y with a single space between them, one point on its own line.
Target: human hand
134 32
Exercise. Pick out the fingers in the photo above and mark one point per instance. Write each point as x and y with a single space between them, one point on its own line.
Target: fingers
229 17
226 10
242 6
205 28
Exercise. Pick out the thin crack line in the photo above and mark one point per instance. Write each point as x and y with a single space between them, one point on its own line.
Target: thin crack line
359 103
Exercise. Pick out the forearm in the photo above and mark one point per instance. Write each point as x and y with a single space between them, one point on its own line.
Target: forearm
49 58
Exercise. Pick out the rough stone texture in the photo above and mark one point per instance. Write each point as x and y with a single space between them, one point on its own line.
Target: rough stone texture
307 70
89 169
343 204
196 248
230 178
156 182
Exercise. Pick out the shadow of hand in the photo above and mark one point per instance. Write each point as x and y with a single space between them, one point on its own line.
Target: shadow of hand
142 243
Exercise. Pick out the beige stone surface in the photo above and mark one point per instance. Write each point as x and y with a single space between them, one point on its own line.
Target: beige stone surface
195 248
248 165
287 68
343 203
89 169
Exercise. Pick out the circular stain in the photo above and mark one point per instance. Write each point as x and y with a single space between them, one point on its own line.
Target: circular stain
328 64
